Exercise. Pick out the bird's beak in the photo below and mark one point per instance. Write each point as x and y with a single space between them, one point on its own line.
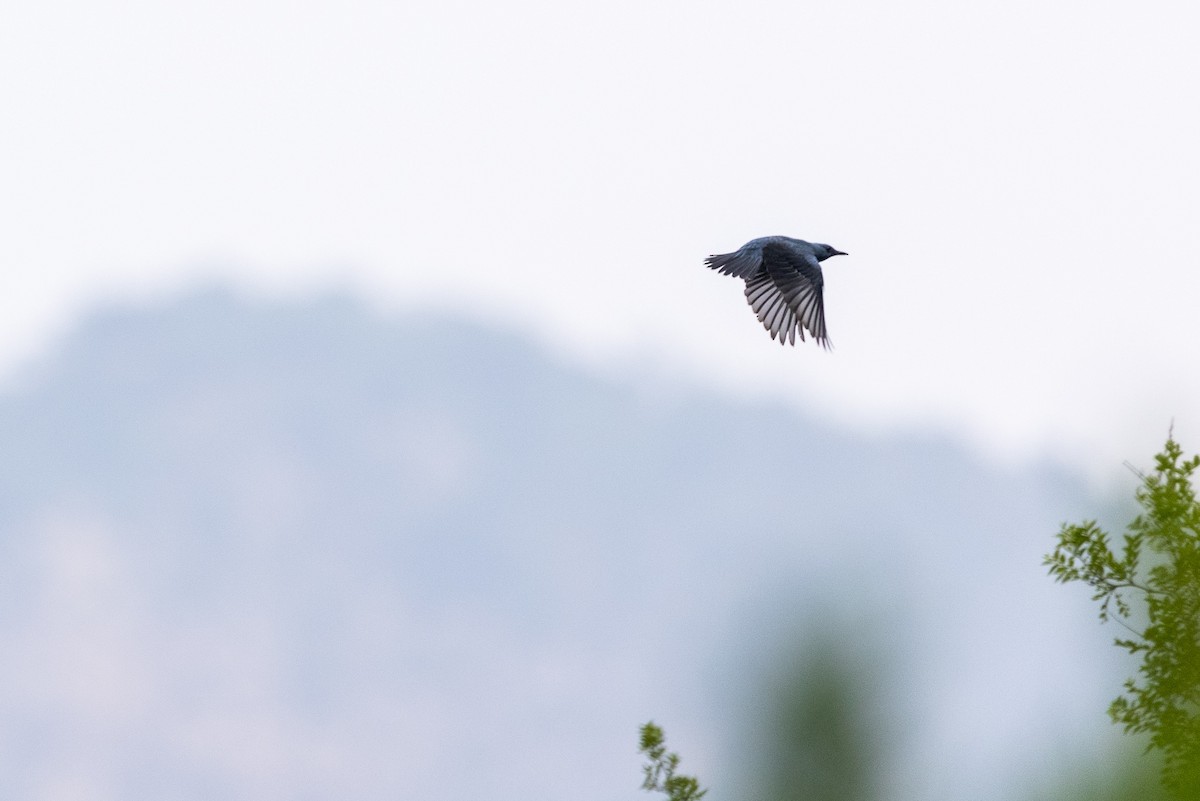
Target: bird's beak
840 253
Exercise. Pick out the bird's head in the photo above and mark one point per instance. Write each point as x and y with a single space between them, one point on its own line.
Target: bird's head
825 251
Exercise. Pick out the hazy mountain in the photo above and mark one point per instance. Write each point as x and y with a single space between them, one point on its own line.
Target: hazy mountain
300 551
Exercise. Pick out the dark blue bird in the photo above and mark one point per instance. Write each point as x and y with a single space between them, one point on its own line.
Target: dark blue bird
783 284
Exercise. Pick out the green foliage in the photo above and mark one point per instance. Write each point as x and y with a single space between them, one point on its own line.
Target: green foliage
1125 775
822 734
660 770
1152 588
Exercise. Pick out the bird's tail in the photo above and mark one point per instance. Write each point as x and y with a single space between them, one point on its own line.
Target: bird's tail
740 264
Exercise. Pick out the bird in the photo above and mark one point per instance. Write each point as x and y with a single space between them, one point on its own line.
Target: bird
783 284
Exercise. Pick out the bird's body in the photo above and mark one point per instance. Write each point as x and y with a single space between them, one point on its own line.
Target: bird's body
783 284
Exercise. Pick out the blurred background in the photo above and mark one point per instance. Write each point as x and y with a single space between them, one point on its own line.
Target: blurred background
370 427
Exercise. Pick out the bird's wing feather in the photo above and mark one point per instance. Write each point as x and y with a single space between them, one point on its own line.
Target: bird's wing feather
772 310
787 296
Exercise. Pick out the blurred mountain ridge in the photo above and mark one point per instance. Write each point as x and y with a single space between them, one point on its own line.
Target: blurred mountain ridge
273 549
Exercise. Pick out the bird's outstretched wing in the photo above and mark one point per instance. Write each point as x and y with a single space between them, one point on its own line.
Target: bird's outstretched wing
786 295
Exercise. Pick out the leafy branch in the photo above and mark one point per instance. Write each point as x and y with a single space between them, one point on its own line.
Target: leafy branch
1158 570
660 770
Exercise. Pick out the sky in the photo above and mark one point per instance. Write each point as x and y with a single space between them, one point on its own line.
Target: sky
1016 184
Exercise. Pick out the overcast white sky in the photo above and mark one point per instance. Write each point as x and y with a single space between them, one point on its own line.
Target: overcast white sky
1018 185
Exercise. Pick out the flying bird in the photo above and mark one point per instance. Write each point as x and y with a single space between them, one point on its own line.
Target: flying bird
783 284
